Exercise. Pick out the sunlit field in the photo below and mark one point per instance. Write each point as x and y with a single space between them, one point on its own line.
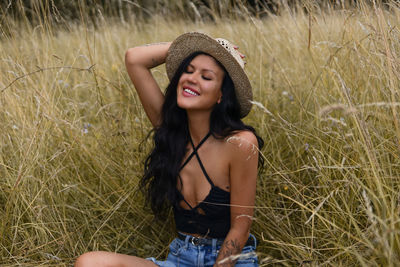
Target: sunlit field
73 136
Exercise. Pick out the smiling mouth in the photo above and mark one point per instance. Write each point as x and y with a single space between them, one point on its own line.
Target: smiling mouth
189 91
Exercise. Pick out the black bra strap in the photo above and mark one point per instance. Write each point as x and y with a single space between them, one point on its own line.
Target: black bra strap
198 159
182 198
187 160
194 149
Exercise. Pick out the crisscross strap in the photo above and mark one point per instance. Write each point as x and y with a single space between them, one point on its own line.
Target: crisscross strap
198 157
194 149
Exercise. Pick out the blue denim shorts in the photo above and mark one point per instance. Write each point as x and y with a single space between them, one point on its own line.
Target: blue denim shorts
182 253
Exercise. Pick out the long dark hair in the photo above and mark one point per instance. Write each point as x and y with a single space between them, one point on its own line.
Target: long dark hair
162 166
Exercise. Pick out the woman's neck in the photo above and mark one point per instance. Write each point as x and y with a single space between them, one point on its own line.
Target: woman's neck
199 125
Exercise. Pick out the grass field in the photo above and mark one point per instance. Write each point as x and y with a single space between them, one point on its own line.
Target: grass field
326 92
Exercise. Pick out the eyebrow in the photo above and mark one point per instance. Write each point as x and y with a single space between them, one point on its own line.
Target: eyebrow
190 65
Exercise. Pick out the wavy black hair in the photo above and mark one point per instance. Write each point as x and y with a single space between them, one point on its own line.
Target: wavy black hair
162 166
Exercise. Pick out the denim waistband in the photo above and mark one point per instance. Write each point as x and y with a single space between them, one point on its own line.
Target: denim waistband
199 241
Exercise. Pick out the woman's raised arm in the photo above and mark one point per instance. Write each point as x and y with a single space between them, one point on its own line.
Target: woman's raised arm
139 60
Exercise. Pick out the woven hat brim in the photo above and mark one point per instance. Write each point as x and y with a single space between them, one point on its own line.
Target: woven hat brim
191 42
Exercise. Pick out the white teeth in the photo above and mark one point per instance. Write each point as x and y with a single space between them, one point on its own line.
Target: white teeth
190 92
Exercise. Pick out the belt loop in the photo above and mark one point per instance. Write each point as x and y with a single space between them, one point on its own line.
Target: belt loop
187 241
255 240
214 245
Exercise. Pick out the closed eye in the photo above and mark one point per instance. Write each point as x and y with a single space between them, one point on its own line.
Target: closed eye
189 69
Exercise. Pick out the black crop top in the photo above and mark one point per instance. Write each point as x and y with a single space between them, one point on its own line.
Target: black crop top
211 217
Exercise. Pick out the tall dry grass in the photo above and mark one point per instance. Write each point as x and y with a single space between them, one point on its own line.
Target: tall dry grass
73 137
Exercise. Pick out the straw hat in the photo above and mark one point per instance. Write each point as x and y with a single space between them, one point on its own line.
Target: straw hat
223 51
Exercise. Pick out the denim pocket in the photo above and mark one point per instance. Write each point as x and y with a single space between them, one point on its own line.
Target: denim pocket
252 261
248 257
176 246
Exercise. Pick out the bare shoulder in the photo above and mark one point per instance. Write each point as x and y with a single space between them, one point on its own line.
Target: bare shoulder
243 138
243 142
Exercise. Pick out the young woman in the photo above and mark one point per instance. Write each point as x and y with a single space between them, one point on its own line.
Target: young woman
204 161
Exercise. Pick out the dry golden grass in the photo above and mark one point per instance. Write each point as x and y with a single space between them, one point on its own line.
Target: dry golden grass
73 138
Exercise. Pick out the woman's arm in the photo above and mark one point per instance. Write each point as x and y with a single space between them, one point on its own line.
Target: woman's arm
139 60
243 149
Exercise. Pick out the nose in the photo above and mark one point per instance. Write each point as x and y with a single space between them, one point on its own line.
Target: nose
192 77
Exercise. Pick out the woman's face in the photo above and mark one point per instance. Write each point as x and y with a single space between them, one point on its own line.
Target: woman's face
199 87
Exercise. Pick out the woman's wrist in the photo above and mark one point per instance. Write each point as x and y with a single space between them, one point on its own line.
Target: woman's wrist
148 55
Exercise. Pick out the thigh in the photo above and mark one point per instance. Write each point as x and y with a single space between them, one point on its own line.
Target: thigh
103 258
